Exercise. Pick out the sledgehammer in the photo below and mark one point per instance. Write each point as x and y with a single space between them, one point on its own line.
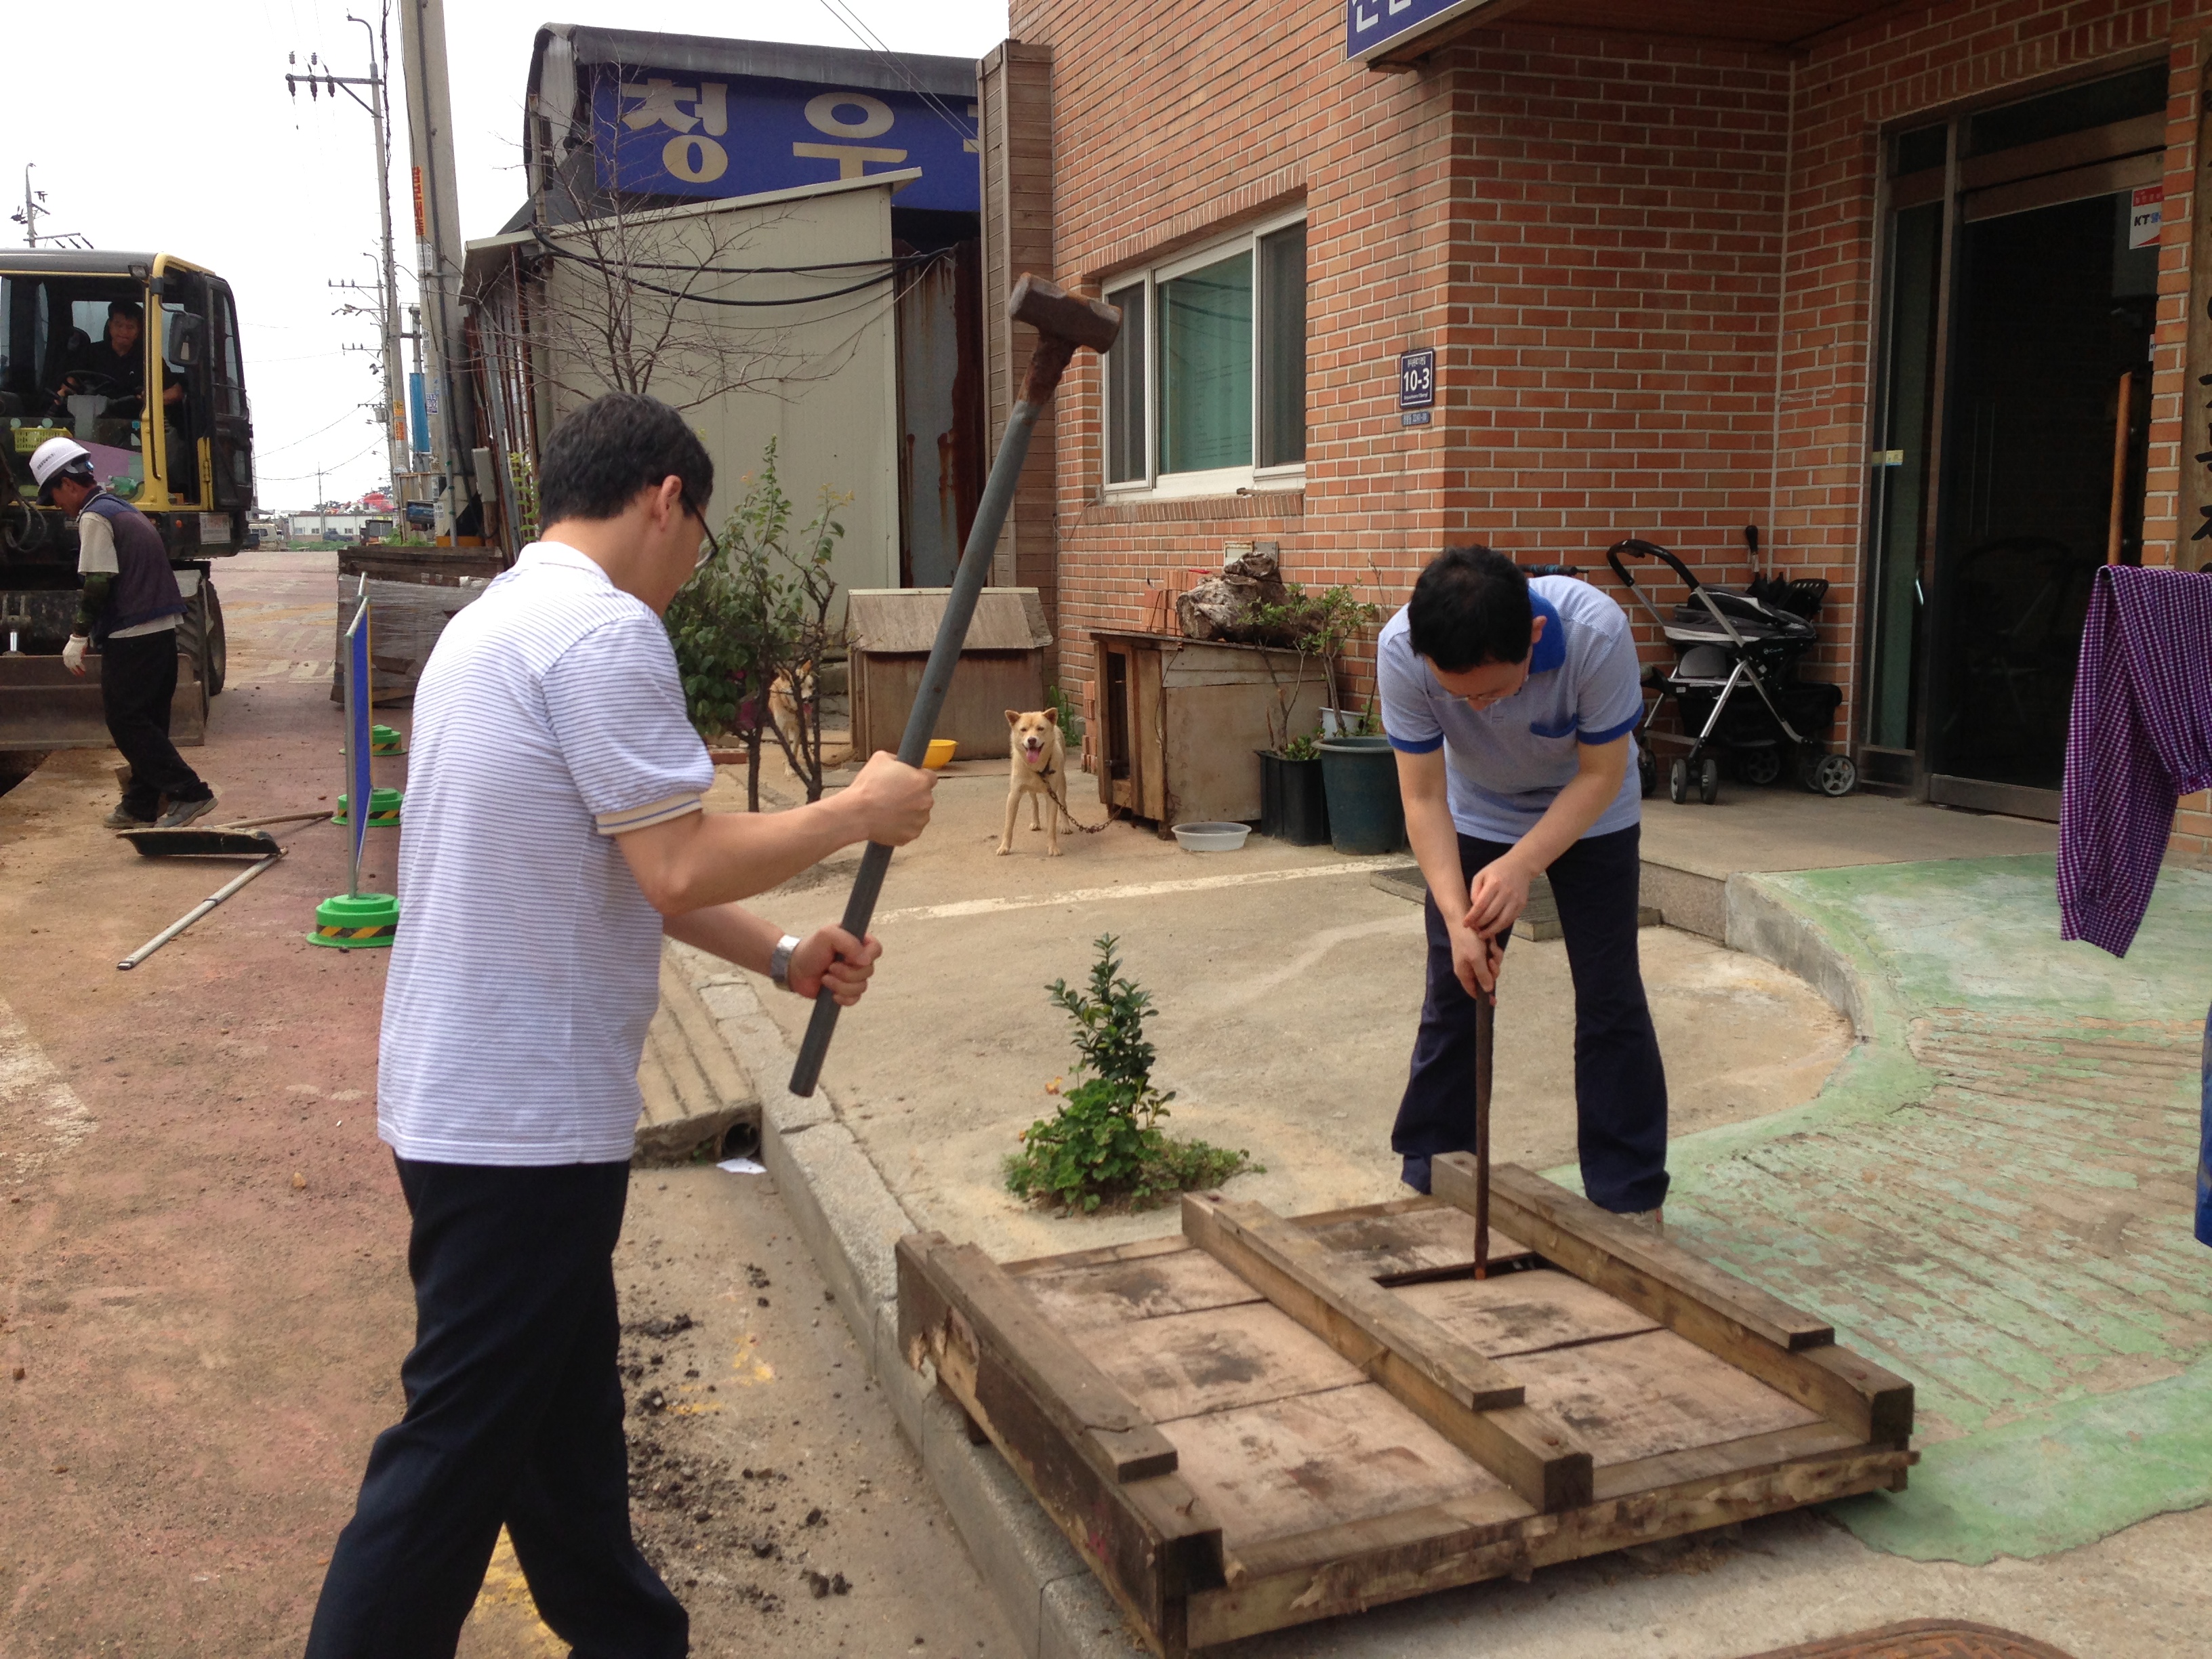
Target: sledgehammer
1063 322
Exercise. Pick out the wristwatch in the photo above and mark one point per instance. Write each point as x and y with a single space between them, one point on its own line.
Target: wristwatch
779 961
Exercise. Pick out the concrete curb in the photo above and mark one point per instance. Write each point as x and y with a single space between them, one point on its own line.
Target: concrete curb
851 1222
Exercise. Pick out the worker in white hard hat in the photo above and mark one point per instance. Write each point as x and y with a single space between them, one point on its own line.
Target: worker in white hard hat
129 609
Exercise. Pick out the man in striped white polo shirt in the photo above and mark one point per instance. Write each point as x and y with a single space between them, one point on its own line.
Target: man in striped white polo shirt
554 834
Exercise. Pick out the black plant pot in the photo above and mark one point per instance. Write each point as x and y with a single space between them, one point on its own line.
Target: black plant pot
1293 800
1364 814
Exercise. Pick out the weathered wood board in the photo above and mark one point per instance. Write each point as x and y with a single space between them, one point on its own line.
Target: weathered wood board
1269 1420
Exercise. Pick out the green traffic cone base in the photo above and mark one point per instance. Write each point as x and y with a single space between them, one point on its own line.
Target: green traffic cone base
356 921
383 809
383 740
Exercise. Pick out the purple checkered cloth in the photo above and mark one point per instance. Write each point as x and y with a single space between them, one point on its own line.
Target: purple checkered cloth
2140 739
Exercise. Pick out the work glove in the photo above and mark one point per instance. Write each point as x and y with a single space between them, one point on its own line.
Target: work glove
73 654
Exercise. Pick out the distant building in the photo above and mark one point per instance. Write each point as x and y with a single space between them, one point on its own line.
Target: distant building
793 231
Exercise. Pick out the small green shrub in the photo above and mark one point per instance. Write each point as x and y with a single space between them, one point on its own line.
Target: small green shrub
1105 1147
1303 748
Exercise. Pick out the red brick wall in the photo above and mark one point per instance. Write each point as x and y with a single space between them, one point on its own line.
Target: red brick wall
1647 270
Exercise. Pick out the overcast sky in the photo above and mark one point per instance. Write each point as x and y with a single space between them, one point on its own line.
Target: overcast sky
179 138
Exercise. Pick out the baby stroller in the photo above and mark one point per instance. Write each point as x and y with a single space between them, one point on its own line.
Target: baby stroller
1734 681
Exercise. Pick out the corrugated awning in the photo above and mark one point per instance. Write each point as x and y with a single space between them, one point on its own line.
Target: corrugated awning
1786 24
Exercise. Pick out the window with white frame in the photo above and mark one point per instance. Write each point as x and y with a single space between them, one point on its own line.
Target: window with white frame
1206 388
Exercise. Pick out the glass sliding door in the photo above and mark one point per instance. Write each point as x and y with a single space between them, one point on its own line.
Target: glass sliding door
2009 455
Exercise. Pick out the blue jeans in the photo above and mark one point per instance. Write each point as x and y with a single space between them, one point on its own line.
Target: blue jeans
1620 1086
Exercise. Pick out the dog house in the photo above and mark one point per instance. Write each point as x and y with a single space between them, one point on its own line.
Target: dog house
1181 723
1001 665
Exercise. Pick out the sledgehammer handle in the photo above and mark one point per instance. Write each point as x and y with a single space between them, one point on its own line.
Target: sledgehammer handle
928 704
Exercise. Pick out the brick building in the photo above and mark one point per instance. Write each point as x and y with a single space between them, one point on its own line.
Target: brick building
1909 287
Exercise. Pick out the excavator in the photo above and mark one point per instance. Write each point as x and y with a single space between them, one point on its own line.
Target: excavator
137 357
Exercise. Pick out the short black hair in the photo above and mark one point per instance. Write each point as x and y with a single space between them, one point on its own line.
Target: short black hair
130 308
1470 607
597 459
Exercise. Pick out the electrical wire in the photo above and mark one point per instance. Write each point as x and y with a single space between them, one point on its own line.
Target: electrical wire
280 448
302 477
623 273
857 28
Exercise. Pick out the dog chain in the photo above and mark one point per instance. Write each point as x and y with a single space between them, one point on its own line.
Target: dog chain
1069 817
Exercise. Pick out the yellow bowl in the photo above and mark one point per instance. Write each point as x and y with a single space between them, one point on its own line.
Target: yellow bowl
940 751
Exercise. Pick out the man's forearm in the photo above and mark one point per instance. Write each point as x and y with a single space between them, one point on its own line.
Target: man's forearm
718 858
94 601
1571 812
728 931
1435 841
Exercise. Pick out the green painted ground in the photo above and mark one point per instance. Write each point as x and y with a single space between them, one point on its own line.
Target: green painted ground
1994 1197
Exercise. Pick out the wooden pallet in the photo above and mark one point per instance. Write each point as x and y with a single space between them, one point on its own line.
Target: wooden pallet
1270 1420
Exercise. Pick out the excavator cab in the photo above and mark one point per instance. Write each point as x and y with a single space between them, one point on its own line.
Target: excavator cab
137 357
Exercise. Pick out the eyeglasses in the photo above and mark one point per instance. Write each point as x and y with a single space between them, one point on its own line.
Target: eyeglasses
714 548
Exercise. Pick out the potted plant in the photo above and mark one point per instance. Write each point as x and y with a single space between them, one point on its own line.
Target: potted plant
1366 814
1293 799
1293 792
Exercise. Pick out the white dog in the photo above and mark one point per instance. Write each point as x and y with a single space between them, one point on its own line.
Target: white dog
1039 771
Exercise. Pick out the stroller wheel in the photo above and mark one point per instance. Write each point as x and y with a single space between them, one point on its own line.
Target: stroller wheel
1708 780
1647 771
1678 782
1760 766
1830 775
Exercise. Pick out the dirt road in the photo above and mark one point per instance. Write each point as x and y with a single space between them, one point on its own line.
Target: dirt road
203 1294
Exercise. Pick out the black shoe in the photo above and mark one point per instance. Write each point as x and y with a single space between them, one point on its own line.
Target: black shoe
1415 1174
182 812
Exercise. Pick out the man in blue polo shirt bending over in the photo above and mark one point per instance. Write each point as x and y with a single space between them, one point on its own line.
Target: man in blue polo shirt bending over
1512 706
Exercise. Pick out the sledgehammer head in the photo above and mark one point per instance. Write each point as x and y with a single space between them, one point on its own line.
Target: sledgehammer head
1051 310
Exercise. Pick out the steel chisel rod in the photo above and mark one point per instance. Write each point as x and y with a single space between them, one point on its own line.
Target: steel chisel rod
1485 1035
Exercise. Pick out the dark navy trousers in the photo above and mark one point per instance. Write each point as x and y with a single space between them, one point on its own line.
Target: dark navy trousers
1620 1086
514 1417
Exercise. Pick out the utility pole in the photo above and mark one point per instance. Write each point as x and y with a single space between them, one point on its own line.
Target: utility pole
320 80
439 252
29 217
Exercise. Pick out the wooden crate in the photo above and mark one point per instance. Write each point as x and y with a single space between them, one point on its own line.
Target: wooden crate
1270 1420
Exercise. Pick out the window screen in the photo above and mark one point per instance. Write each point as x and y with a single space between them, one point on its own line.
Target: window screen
1283 347
1205 367
1125 390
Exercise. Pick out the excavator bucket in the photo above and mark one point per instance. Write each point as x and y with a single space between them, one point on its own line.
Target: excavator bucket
43 706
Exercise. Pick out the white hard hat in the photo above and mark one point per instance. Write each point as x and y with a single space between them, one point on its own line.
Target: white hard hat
54 457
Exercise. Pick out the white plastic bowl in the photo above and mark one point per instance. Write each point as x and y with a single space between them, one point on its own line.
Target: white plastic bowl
1212 838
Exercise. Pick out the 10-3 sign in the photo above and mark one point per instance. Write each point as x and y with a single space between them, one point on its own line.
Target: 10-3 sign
1417 378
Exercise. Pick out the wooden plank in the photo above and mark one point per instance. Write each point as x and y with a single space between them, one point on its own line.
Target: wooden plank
1522 1313
1219 1359
1421 1237
1457 1392
1348 1569
1135 1249
1819 1438
1602 1233
1115 1295
1754 1332
1640 1396
1286 1466
1151 1541
1098 1418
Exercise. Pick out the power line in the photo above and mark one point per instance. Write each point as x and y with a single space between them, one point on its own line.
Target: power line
302 477
316 433
856 27
623 273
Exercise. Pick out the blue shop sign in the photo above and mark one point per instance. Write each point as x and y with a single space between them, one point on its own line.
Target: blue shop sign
666 132
1370 25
